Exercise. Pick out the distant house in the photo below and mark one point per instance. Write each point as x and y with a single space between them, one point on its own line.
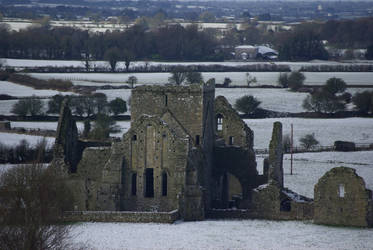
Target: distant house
249 52
246 52
267 53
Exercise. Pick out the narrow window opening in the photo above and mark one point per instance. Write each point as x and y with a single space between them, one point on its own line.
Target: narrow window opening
219 122
134 138
149 182
165 100
134 184
341 190
197 140
164 184
231 140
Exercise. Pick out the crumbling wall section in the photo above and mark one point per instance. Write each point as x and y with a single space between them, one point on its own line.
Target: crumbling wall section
241 163
341 198
152 144
90 171
269 201
67 149
275 159
192 204
230 126
186 103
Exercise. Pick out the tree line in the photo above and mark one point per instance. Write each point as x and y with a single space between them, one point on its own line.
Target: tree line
175 42
172 42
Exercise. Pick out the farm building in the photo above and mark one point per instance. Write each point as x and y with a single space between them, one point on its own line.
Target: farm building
248 52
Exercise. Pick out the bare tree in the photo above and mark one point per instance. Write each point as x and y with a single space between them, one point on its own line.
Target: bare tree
32 200
178 75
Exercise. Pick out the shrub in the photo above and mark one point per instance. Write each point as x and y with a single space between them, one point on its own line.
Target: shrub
32 106
247 104
112 55
227 82
364 101
323 102
178 75
334 86
194 77
250 79
286 143
89 104
54 104
20 108
32 200
117 106
103 126
23 152
283 80
296 80
308 141
326 100
132 80
99 103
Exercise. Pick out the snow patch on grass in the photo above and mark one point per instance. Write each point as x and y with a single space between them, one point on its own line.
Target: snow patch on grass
210 234
358 130
11 139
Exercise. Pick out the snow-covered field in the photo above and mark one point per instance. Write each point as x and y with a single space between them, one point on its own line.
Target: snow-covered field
124 126
36 125
18 90
238 78
211 234
64 63
12 139
6 106
309 167
358 130
114 93
280 100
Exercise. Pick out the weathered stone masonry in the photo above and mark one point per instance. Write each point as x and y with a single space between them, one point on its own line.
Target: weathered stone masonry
185 151
342 199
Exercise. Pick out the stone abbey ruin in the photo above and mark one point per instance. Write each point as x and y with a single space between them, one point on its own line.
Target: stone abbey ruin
187 155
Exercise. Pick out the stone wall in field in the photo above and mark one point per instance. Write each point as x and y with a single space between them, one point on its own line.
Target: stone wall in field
121 216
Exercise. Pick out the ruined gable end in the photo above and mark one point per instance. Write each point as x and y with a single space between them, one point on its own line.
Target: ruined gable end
67 151
342 199
275 159
230 126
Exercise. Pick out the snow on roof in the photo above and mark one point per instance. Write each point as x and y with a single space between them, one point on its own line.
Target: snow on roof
261 49
245 47
264 50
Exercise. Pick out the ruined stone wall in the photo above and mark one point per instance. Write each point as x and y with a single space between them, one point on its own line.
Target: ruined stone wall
207 143
127 216
186 103
67 149
240 168
90 171
269 201
342 199
233 130
192 108
239 162
275 159
151 143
